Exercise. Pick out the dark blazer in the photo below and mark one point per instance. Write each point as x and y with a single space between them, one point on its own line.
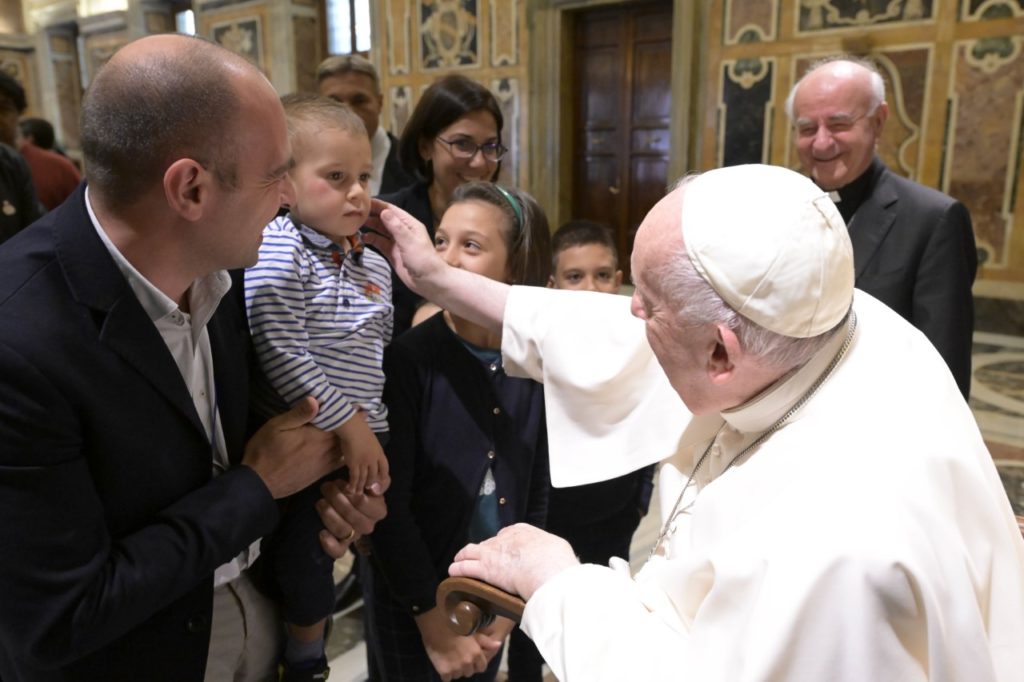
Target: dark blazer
113 524
394 177
914 250
451 418
415 200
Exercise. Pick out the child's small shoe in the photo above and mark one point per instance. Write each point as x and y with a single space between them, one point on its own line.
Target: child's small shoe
315 671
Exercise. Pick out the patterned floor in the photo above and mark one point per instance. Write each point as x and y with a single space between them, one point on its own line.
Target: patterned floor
997 400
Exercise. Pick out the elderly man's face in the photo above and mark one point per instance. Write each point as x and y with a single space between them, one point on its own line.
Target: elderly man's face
836 131
682 351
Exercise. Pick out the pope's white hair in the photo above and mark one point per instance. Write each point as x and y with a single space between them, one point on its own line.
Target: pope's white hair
877 83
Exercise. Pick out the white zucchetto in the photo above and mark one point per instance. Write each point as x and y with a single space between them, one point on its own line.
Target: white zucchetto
772 245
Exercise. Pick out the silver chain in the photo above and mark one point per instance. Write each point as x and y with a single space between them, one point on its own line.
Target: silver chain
666 529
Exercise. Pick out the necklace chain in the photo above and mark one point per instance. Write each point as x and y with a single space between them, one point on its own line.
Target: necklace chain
667 528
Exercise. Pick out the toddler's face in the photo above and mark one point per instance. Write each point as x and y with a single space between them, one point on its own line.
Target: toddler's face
471 236
587 267
331 181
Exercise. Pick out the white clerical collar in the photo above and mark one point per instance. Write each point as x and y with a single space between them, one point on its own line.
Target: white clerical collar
380 147
764 409
205 293
834 196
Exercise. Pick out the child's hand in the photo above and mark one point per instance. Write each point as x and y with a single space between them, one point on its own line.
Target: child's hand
452 655
367 465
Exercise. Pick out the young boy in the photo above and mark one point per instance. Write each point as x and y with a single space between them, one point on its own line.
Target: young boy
598 519
583 256
320 311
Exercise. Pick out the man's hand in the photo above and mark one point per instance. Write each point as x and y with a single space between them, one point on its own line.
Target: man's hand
519 559
404 241
452 655
288 454
346 518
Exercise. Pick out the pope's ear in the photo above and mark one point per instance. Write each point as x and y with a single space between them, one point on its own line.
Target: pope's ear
186 187
725 351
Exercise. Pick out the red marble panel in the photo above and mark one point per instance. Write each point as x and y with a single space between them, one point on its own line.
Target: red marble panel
743 19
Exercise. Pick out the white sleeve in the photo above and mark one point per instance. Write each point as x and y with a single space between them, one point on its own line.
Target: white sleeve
610 407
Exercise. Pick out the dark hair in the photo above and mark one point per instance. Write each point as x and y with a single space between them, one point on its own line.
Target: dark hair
446 101
527 234
581 233
138 117
40 130
12 90
308 114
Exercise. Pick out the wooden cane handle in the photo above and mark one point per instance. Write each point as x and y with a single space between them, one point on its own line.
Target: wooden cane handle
471 604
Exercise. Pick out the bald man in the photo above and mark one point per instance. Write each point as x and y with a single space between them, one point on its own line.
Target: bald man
133 504
913 246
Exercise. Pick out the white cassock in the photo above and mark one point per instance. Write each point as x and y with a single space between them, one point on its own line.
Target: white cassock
867 539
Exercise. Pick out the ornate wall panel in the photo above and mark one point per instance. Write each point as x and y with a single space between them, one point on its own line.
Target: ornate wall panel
746 97
506 90
981 10
742 20
242 31
448 34
983 163
504 32
398 35
828 15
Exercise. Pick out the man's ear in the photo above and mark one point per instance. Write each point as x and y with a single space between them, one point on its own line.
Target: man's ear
186 184
725 353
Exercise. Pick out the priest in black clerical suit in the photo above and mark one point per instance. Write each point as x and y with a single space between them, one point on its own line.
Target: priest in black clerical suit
913 247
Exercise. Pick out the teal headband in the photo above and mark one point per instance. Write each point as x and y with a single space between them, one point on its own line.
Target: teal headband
515 206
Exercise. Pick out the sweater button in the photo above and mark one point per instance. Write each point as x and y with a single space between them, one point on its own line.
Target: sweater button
501 500
490 454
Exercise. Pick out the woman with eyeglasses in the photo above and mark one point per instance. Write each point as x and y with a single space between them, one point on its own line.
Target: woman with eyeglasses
453 137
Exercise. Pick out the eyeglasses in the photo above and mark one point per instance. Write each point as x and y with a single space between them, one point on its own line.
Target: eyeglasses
838 124
465 148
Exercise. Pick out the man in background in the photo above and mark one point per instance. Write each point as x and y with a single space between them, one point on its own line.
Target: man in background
54 175
352 80
19 206
913 247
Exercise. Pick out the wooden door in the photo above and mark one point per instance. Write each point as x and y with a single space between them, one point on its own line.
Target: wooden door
621 106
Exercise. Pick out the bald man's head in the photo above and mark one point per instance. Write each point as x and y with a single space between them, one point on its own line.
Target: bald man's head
159 99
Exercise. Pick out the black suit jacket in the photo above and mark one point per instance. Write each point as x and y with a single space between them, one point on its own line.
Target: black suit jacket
394 177
113 524
914 250
415 200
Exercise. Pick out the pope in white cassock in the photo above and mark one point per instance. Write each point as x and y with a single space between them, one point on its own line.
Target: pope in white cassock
830 510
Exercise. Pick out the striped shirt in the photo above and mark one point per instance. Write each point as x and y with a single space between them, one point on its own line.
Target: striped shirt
320 320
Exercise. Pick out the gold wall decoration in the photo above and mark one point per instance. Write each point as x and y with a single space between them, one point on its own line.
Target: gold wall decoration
448 34
504 32
242 30
400 104
506 91
982 10
398 35
742 18
823 15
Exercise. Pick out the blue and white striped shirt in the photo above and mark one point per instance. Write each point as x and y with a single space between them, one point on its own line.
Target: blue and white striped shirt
320 320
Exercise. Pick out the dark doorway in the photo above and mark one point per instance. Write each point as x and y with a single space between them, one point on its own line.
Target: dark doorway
621 99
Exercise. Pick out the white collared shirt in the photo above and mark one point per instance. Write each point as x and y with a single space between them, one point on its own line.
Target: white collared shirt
188 341
380 147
